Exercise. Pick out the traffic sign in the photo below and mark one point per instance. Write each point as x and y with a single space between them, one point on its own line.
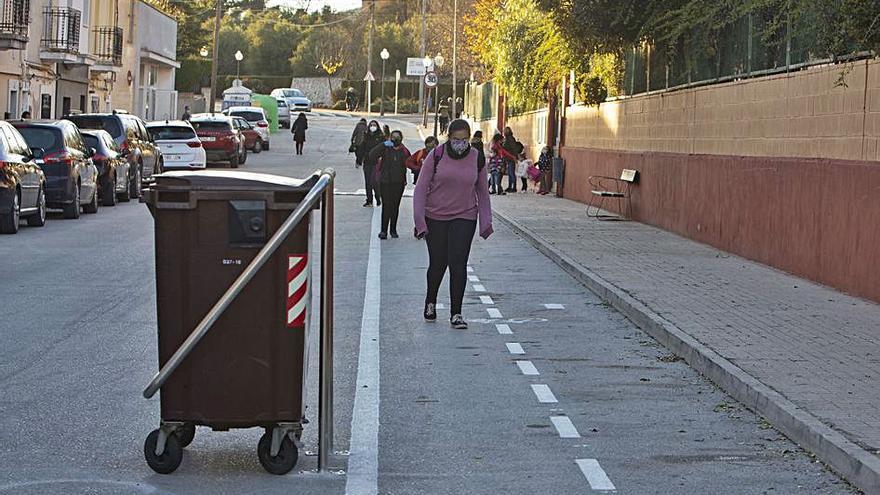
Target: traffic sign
415 66
431 79
369 77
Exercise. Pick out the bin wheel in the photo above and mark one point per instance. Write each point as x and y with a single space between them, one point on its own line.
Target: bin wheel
169 460
281 463
186 434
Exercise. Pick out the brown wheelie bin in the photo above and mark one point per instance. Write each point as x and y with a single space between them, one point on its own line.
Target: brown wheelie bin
249 369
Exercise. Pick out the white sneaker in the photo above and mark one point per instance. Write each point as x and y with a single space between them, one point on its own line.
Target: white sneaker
458 322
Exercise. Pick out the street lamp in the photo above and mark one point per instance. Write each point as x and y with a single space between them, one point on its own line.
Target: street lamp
238 58
438 62
427 62
203 51
384 55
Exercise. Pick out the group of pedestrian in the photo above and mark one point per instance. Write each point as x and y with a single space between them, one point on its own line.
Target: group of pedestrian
450 200
507 157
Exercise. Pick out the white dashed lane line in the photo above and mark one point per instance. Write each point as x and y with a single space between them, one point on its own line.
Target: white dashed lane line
479 288
486 300
527 368
544 394
554 306
564 427
595 475
470 269
494 313
503 328
473 278
514 348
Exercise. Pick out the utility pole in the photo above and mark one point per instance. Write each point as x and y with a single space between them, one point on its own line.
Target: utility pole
215 56
370 55
454 56
422 53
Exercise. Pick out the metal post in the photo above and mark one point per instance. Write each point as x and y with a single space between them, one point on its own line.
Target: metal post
382 105
454 53
396 88
215 61
325 396
369 105
436 107
422 106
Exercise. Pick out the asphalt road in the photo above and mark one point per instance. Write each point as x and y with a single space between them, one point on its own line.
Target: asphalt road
549 391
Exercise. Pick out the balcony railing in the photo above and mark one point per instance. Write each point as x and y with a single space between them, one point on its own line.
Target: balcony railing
61 27
14 21
107 46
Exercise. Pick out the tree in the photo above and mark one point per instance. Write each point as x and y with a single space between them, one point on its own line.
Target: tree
324 51
271 41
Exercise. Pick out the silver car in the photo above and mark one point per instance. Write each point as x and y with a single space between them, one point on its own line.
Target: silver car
283 113
296 100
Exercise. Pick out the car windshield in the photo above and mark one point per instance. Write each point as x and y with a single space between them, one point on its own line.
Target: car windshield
211 125
41 137
249 115
109 124
290 93
171 132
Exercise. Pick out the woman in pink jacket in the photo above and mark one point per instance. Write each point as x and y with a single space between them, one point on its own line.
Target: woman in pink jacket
451 195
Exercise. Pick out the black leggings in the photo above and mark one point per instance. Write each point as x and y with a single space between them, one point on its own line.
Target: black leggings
299 147
449 246
368 183
391 194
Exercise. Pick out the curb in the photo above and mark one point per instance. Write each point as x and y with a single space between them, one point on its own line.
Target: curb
852 462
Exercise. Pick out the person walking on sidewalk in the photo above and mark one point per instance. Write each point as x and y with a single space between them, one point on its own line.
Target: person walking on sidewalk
545 165
450 197
357 137
372 138
414 162
511 146
390 157
298 129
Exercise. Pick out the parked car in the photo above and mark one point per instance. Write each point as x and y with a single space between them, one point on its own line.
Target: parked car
131 136
114 171
283 113
181 148
221 140
296 99
22 183
257 117
71 176
251 137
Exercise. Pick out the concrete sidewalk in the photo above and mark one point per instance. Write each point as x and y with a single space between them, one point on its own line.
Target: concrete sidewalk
804 356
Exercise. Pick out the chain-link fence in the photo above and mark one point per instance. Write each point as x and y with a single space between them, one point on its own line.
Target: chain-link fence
742 49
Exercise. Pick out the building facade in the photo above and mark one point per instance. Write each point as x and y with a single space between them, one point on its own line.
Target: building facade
61 57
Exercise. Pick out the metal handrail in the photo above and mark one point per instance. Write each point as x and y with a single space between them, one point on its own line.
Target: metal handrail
313 196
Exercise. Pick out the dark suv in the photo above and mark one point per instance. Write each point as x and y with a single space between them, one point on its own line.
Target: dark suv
71 176
133 139
22 183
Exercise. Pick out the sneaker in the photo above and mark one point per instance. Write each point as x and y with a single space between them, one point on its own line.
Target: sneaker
458 322
368 204
378 202
430 311
383 235
394 234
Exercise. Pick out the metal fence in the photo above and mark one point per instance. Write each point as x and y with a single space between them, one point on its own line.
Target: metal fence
480 100
14 18
739 51
61 27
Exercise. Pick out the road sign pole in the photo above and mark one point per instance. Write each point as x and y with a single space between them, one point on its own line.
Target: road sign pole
396 87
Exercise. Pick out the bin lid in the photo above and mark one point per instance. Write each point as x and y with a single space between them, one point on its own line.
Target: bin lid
227 180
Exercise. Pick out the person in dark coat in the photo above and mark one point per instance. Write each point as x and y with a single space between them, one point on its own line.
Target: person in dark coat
357 137
372 138
298 129
392 179
513 148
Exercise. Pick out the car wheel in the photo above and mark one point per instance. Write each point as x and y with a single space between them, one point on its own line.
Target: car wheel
9 222
125 196
266 146
258 146
134 187
244 156
92 206
233 162
71 211
39 219
108 195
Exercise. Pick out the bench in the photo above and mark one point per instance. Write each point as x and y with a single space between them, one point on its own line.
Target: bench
608 188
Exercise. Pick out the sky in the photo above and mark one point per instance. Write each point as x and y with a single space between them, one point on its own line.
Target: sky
319 4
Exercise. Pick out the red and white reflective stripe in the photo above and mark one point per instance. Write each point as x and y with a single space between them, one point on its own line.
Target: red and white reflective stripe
297 290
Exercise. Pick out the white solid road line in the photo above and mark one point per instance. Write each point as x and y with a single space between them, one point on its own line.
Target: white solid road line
564 427
554 306
494 313
479 288
440 306
363 461
514 348
544 394
473 278
486 300
595 475
503 328
527 368
470 269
